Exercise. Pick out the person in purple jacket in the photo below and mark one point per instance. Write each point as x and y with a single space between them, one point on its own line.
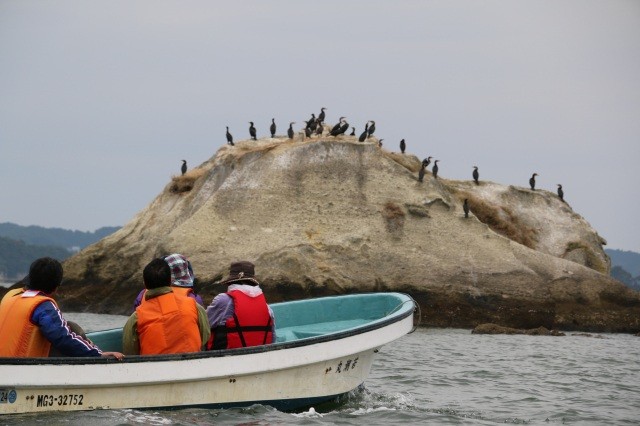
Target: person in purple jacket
182 279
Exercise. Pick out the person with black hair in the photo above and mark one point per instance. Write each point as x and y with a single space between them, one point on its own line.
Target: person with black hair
31 324
167 321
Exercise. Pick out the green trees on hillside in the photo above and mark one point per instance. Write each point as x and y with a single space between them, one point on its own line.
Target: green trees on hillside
38 235
16 256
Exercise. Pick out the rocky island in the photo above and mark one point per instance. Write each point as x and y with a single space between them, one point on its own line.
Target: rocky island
331 215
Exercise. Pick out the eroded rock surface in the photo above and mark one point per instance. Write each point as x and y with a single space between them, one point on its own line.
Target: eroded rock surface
332 215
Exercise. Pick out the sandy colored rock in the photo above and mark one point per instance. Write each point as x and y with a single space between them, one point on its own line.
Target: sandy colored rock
332 216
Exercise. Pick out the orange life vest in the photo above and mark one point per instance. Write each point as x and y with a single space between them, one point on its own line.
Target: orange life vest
19 337
250 324
168 324
184 291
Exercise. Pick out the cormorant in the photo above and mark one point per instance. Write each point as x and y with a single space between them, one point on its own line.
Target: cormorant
252 131
532 182
184 168
343 128
476 175
321 115
421 173
229 137
465 207
353 131
320 128
560 192
426 162
372 128
434 169
290 130
272 128
307 130
364 134
312 124
336 128
403 146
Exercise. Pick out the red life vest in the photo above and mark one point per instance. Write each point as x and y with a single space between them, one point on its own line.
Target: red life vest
21 337
250 324
168 324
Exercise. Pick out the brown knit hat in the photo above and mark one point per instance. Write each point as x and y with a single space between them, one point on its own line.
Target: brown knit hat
242 271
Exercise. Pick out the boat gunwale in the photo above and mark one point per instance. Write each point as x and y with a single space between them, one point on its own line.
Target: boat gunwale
395 316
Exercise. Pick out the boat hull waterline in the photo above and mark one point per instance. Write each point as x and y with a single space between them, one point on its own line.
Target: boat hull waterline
288 375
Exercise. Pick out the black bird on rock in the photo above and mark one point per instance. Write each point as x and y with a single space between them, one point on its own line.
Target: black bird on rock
434 170
229 137
364 134
312 124
426 162
403 146
252 131
421 173
343 128
307 130
465 207
272 128
290 130
372 128
335 129
320 128
532 182
321 115
183 169
476 175
560 192
353 131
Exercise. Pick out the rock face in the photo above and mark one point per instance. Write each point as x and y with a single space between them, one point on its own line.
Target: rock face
498 329
331 215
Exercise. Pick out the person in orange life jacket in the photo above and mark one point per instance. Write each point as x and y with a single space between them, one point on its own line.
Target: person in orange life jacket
31 324
182 279
166 322
240 317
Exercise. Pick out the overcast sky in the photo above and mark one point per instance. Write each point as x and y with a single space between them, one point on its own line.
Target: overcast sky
100 100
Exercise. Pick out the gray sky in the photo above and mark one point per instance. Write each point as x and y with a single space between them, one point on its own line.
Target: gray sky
100 100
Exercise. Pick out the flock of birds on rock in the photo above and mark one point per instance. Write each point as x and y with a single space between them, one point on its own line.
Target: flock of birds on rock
316 126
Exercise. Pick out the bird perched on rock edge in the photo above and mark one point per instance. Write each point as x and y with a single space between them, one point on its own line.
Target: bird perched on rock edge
560 192
421 173
372 128
183 169
363 136
229 137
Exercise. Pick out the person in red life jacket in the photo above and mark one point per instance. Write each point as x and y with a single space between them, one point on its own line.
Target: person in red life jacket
240 317
166 322
31 324
182 279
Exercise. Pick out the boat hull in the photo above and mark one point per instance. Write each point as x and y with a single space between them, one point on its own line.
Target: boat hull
286 375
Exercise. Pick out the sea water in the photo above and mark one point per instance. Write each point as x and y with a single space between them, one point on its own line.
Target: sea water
441 376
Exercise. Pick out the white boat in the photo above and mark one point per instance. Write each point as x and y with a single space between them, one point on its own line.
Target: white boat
324 349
